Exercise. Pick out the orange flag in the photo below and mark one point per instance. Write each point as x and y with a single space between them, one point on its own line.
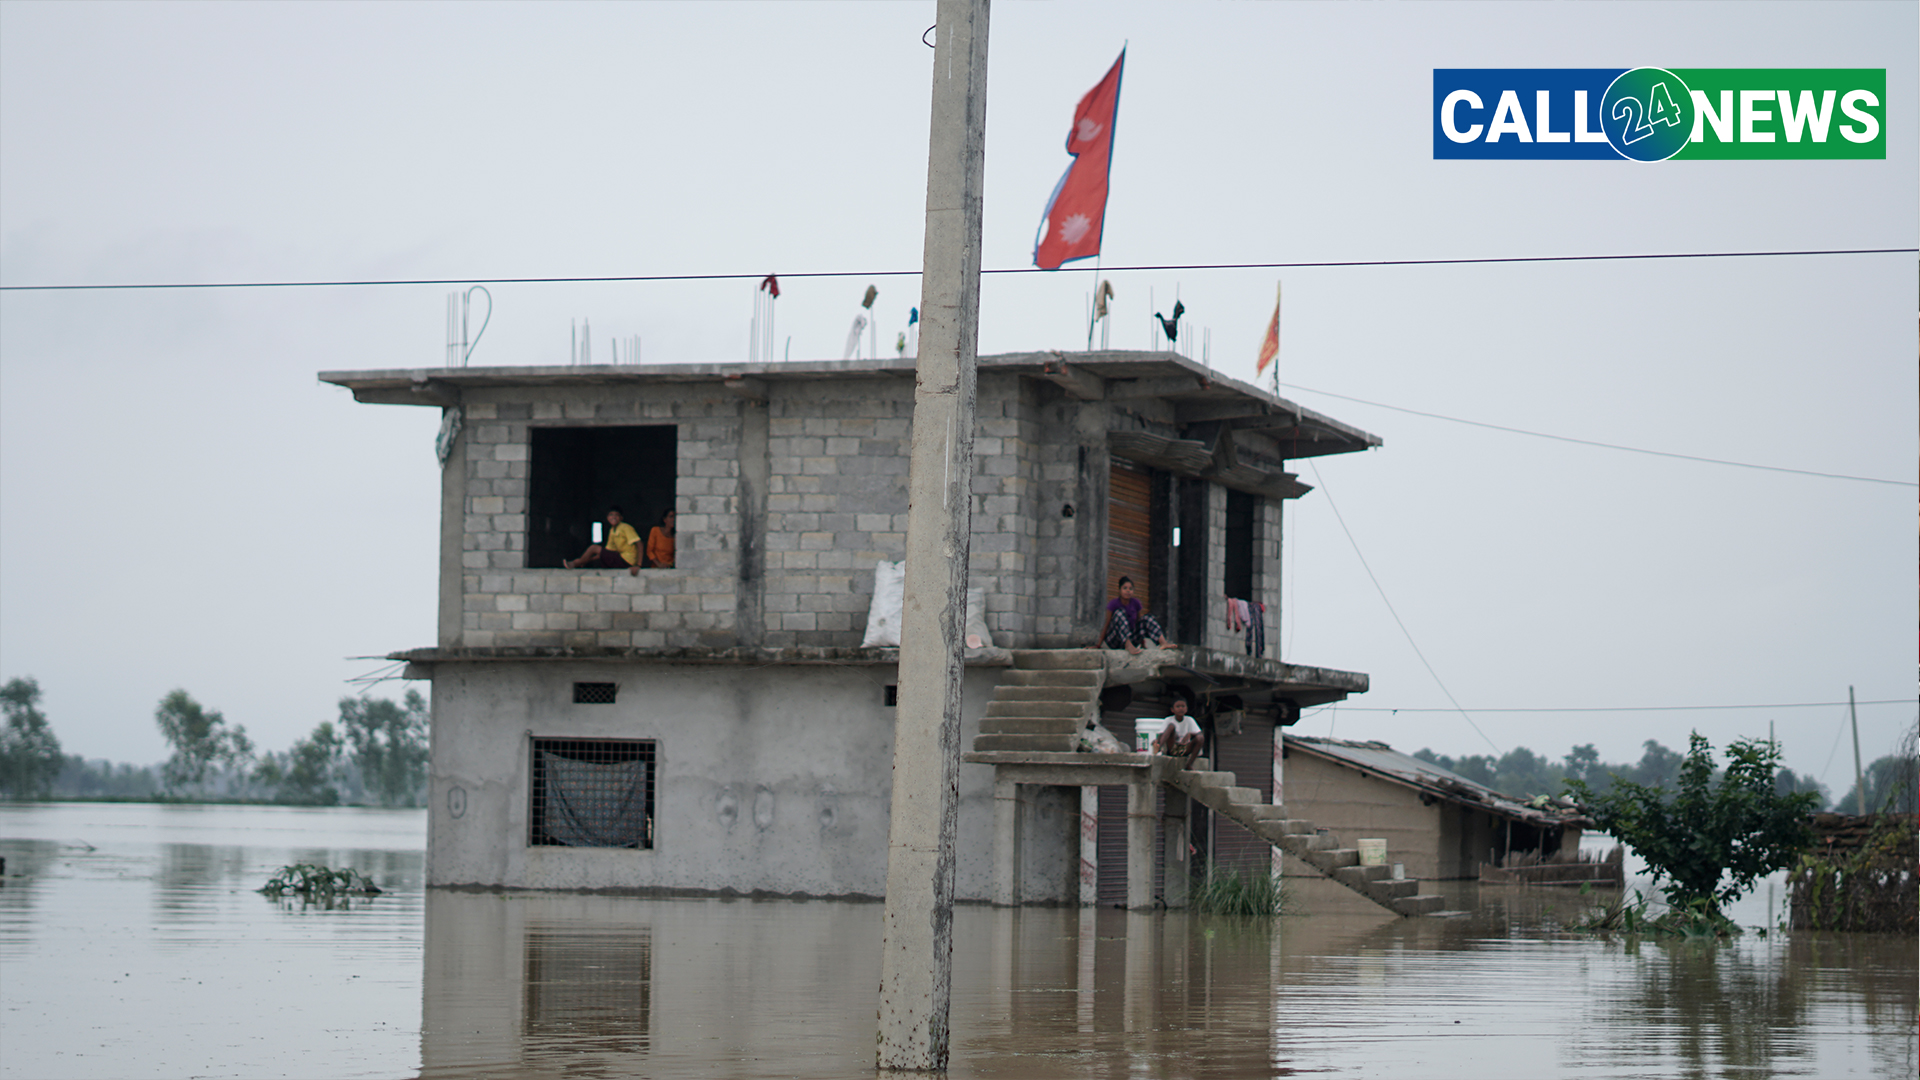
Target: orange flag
1270 348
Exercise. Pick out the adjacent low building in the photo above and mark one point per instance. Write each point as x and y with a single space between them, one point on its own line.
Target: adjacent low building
1435 822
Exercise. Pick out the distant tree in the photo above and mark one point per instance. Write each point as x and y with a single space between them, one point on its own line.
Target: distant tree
1524 773
1479 768
1786 782
1890 786
1431 758
309 773
92 779
1708 842
1658 766
30 756
1581 762
200 739
389 744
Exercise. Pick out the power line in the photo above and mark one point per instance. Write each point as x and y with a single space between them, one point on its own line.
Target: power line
1325 491
757 275
1635 708
1602 445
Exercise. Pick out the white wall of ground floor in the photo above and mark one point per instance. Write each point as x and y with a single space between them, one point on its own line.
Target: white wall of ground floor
771 780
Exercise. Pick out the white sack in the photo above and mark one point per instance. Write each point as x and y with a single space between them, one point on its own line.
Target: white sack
889 601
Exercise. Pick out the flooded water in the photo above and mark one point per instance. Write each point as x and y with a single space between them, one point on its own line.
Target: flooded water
132 944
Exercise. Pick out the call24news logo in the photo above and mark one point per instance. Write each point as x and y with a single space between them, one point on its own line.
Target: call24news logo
1653 114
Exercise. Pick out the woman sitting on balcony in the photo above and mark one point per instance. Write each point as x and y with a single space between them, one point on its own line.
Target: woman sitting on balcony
660 543
1128 625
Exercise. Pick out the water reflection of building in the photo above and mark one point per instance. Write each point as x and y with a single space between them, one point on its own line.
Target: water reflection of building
716 725
539 983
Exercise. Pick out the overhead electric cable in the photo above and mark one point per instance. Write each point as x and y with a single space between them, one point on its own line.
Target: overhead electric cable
1634 708
1603 445
1325 491
758 274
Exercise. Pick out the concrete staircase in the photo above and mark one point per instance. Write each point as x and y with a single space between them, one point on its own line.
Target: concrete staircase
1044 701
1322 851
1050 695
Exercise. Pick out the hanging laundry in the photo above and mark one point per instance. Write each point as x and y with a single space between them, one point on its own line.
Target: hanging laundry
1249 618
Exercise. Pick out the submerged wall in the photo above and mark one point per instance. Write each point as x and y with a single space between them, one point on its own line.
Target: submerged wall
772 779
1353 805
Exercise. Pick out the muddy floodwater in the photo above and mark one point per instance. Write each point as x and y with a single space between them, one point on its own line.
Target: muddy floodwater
132 944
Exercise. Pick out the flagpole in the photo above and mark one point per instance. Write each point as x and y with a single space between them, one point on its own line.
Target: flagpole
1091 317
1278 314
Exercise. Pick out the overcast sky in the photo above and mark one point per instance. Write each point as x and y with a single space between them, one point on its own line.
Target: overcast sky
182 504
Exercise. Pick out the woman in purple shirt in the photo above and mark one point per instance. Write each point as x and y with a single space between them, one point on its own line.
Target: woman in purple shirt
1128 625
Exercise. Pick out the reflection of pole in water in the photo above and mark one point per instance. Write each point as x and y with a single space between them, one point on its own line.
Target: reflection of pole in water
1089 941
1139 980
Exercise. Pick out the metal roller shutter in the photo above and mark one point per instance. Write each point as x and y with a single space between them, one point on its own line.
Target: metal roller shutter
1130 531
1249 757
1110 843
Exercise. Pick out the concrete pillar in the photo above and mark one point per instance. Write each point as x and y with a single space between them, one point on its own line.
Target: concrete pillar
453 519
1279 778
916 962
749 616
1178 870
1007 852
1092 490
1089 846
1140 823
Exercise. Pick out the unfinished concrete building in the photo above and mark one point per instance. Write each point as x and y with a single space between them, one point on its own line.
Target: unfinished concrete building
717 726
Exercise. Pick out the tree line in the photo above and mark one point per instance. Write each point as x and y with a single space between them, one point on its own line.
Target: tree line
1521 772
374 753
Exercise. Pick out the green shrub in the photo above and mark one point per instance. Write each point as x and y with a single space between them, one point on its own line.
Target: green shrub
1253 894
1708 843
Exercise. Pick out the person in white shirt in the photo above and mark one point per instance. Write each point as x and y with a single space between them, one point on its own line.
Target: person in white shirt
1181 736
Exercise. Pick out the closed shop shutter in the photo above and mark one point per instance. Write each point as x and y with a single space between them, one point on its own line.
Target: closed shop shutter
1249 757
1129 531
1110 843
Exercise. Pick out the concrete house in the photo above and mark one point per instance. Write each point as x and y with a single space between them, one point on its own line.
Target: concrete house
717 726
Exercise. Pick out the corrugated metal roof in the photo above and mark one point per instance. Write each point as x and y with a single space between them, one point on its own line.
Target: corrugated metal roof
1382 760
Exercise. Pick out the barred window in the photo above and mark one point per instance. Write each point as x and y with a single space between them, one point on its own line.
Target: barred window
594 693
592 793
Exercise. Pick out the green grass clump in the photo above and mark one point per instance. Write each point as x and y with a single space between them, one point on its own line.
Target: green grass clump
1695 919
315 882
1251 894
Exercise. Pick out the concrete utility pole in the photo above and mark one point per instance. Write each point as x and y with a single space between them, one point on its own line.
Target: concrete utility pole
916 967
1859 777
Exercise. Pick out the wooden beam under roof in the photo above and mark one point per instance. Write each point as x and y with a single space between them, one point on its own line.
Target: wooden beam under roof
1172 386
1079 384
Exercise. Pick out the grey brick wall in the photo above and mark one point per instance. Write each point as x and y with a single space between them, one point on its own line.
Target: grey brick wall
504 604
837 453
836 503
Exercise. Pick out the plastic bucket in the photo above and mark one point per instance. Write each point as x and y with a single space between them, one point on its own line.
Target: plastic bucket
1372 852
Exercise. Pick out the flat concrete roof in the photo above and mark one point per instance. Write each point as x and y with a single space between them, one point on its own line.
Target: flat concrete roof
1256 679
1196 393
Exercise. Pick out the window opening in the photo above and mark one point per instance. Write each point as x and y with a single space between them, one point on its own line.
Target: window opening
1242 509
1187 614
592 793
594 693
577 473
